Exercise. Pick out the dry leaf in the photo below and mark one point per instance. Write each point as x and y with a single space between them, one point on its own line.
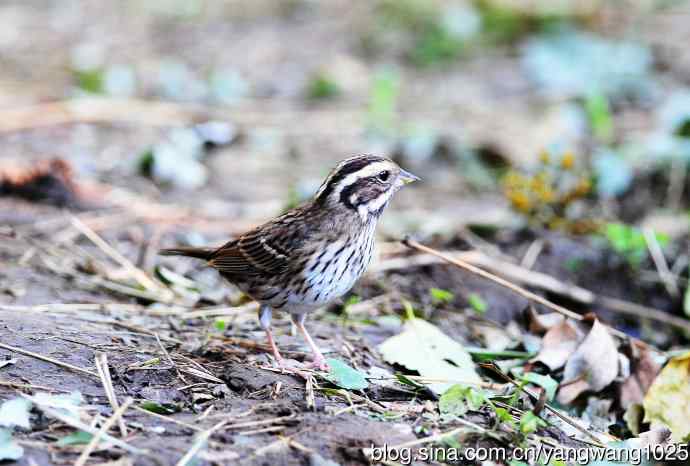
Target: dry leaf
668 400
593 366
644 371
540 323
558 344
493 338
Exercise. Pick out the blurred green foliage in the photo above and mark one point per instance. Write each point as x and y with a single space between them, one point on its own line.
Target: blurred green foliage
434 35
90 80
600 117
322 86
502 24
477 303
383 101
439 296
630 242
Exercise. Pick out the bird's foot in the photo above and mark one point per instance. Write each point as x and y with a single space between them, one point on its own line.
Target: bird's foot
290 366
319 363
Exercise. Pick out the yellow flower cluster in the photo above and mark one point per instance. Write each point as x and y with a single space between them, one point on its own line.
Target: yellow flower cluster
544 196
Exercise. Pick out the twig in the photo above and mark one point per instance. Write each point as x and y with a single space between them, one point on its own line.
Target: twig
116 417
48 359
535 398
548 283
533 251
138 274
168 419
101 361
170 361
30 386
78 424
660 261
200 442
489 276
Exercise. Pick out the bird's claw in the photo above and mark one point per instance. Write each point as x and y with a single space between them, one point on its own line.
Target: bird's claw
319 364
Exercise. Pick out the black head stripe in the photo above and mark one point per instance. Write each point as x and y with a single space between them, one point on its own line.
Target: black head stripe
347 192
348 167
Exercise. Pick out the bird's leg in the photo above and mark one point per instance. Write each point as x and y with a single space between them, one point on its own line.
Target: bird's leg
319 361
265 321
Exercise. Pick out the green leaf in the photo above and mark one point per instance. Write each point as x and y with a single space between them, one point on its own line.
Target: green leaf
483 354
452 402
76 438
159 408
220 325
422 347
439 296
530 422
15 412
544 381
322 87
90 80
345 376
477 303
65 403
630 242
503 415
9 449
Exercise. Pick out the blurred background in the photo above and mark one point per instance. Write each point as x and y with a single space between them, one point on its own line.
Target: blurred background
460 92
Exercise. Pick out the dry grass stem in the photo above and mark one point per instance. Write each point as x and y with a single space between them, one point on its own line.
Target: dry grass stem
139 275
167 419
660 262
48 359
78 424
101 361
116 417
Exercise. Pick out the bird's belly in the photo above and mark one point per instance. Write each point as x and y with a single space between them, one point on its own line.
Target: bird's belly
338 272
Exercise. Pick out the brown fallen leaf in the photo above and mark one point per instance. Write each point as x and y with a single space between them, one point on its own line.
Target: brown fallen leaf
593 366
644 370
47 181
540 323
559 343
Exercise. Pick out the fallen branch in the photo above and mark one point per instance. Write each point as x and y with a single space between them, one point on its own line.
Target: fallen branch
468 260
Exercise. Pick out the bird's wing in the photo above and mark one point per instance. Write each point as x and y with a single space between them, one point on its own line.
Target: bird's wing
258 252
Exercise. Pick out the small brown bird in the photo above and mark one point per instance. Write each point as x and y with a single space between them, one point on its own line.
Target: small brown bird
314 253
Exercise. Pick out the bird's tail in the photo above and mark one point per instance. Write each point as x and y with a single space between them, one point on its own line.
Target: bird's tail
198 253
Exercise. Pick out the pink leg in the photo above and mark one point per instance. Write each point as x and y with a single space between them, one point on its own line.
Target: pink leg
274 348
319 361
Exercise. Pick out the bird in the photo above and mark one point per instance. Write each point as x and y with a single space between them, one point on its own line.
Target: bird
314 253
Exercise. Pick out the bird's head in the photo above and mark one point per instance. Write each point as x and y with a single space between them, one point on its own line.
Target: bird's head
364 184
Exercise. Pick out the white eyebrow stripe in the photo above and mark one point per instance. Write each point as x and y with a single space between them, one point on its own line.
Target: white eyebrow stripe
364 172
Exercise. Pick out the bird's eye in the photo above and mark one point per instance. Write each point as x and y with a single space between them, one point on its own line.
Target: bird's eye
384 175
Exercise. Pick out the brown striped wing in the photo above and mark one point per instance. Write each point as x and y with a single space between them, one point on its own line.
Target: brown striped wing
256 253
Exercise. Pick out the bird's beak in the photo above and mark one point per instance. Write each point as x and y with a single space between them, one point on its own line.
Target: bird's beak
407 177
